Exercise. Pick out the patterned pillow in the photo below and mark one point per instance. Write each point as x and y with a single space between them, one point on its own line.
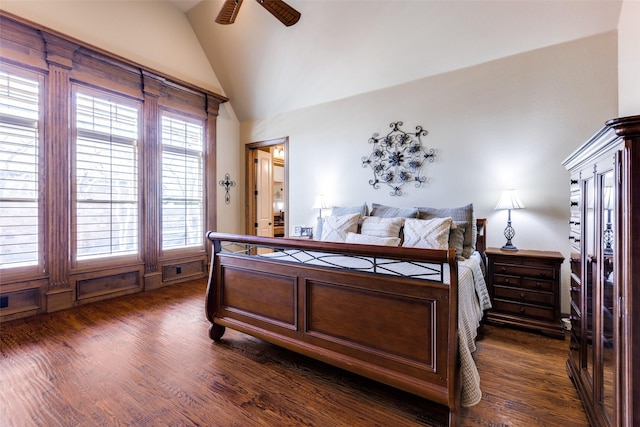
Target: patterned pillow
427 233
363 209
463 216
391 212
381 227
335 228
363 239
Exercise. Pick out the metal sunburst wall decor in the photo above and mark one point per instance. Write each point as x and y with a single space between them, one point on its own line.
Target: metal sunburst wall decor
397 158
227 184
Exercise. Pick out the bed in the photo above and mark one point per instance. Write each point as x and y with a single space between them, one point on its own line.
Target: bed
406 317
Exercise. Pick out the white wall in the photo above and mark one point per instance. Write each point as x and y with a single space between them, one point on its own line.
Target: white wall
137 31
230 157
507 123
629 58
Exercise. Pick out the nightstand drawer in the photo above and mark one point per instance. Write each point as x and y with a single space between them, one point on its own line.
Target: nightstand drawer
520 295
525 270
523 310
523 282
537 285
499 279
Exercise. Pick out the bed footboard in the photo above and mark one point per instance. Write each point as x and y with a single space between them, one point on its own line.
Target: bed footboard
397 330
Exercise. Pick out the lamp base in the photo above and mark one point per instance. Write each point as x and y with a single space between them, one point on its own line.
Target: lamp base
509 247
509 233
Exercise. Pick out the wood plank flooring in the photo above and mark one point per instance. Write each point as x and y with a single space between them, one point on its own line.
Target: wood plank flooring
146 360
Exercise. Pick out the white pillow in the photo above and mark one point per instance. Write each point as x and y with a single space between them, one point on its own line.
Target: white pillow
363 239
381 227
427 233
335 228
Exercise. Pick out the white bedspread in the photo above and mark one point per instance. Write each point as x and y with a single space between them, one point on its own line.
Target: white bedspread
473 299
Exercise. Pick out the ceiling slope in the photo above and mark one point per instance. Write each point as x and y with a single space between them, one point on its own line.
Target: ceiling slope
341 48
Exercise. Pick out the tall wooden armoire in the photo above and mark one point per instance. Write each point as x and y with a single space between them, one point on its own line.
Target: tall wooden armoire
604 352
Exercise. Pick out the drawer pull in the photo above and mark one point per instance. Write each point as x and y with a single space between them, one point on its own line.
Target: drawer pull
574 203
521 310
574 289
574 347
574 318
522 295
538 285
574 181
506 280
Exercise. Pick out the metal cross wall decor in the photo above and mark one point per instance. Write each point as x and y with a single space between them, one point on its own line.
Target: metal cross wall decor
227 184
397 158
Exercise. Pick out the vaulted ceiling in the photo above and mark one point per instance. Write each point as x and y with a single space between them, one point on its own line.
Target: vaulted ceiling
341 48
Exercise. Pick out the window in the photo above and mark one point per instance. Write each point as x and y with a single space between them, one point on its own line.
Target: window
106 177
19 192
182 183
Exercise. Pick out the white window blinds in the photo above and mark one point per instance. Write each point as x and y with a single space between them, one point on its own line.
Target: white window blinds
106 178
19 194
182 183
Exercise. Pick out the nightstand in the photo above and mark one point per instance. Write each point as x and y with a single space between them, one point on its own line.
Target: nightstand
525 289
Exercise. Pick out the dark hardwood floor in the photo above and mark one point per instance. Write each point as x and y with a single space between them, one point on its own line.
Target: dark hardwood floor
146 360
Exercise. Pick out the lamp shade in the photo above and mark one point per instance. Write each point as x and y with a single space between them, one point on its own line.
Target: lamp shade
509 200
609 198
319 203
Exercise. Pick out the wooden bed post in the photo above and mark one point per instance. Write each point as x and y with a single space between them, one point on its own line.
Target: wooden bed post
215 331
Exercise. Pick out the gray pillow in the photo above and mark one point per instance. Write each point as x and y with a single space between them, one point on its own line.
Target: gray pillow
463 216
363 210
456 239
391 212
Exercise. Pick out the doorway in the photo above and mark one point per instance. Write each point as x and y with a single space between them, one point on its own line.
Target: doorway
267 195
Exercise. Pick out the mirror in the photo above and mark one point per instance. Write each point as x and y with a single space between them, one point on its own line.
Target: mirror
606 272
589 275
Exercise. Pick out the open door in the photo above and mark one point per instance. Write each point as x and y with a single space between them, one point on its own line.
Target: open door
264 193
267 195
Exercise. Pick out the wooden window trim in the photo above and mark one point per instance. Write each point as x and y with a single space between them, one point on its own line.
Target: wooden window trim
65 62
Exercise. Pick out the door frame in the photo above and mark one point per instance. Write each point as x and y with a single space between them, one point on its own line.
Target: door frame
250 173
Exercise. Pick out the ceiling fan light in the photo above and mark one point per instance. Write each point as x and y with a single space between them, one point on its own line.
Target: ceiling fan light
278 8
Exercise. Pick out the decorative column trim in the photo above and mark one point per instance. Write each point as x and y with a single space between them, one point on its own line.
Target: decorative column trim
151 88
59 57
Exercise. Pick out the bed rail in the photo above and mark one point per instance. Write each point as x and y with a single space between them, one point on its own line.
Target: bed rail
425 264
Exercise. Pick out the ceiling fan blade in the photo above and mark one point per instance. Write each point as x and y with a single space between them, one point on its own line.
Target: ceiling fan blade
229 12
281 10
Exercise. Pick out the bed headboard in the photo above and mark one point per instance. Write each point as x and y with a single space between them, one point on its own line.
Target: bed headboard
481 241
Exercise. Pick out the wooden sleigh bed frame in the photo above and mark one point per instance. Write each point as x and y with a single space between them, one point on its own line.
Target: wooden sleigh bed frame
400 331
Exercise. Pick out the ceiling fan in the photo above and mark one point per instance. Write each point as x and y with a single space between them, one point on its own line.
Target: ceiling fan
278 8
